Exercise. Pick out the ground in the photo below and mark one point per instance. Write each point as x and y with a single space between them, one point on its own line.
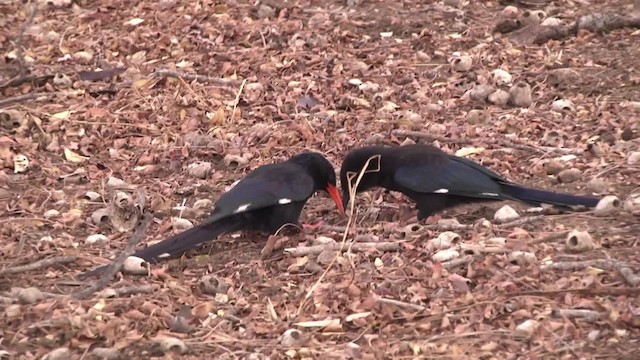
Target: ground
276 78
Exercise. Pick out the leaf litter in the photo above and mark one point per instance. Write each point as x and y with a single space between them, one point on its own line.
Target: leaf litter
180 99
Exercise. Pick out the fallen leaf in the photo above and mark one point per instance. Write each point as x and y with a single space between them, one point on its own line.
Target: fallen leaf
74 157
135 22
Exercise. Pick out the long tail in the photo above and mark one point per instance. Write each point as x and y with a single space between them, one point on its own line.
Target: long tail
179 244
537 197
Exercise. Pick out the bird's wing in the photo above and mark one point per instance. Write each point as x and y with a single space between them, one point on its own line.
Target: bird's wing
268 185
445 174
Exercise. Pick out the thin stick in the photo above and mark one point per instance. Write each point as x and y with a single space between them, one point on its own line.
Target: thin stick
237 99
20 98
134 289
503 142
355 246
352 196
38 265
196 77
400 304
110 270
20 37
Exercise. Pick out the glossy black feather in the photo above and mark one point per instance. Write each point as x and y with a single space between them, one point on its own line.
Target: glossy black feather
437 180
263 201
263 219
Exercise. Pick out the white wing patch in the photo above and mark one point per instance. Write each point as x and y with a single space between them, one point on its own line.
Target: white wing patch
163 255
242 208
490 194
441 191
284 201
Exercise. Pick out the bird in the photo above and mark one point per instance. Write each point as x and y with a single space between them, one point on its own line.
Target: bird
436 180
265 200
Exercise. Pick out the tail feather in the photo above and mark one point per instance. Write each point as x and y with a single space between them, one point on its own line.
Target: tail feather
178 244
537 197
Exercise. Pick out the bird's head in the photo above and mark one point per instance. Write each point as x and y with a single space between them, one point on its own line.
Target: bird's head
323 174
353 163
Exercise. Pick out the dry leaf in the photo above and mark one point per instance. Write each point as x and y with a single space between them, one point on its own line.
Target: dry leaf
73 157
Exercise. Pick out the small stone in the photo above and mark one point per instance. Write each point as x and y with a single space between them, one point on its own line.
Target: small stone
569 175
481 92
510 12
505 214
554 167
292 338
521 94
476 116
266 11
462 64
501 77
563 105
551 21
499 98
634 158
533 18
30 295
597 186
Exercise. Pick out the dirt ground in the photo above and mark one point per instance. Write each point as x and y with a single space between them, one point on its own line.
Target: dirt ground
275 78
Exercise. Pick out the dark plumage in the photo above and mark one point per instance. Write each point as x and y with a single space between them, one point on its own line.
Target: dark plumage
436 180
266 199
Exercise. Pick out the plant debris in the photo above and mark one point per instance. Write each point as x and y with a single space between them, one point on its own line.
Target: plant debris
121 123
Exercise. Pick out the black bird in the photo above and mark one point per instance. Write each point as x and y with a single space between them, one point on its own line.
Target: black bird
263 201
436 180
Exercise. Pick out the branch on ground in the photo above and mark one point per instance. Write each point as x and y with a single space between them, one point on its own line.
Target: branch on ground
502 142
354 246
196 77
108 272
22 98
20 38
595 23
58 260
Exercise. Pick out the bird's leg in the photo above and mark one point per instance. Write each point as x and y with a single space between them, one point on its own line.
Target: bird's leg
313 226
289 228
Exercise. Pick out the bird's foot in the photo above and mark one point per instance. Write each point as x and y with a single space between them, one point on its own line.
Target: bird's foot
313 226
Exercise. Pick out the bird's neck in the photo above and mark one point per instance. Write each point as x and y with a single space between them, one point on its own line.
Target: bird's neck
385 166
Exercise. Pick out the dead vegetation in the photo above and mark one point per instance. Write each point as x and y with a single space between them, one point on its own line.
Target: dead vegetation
110 110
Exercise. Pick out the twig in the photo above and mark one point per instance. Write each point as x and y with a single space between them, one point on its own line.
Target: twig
337 228
503 142
628 275
595 23
352 195
457 262
20 37
599 291
355 246
582 314
127 290
427 136
449 226
107 272
237 99
6 300
481 249
399 303
196 77
20 98
580 265
19 80
58 260
520 221
549 238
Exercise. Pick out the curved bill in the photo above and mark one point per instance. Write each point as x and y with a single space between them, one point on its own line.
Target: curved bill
335 196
